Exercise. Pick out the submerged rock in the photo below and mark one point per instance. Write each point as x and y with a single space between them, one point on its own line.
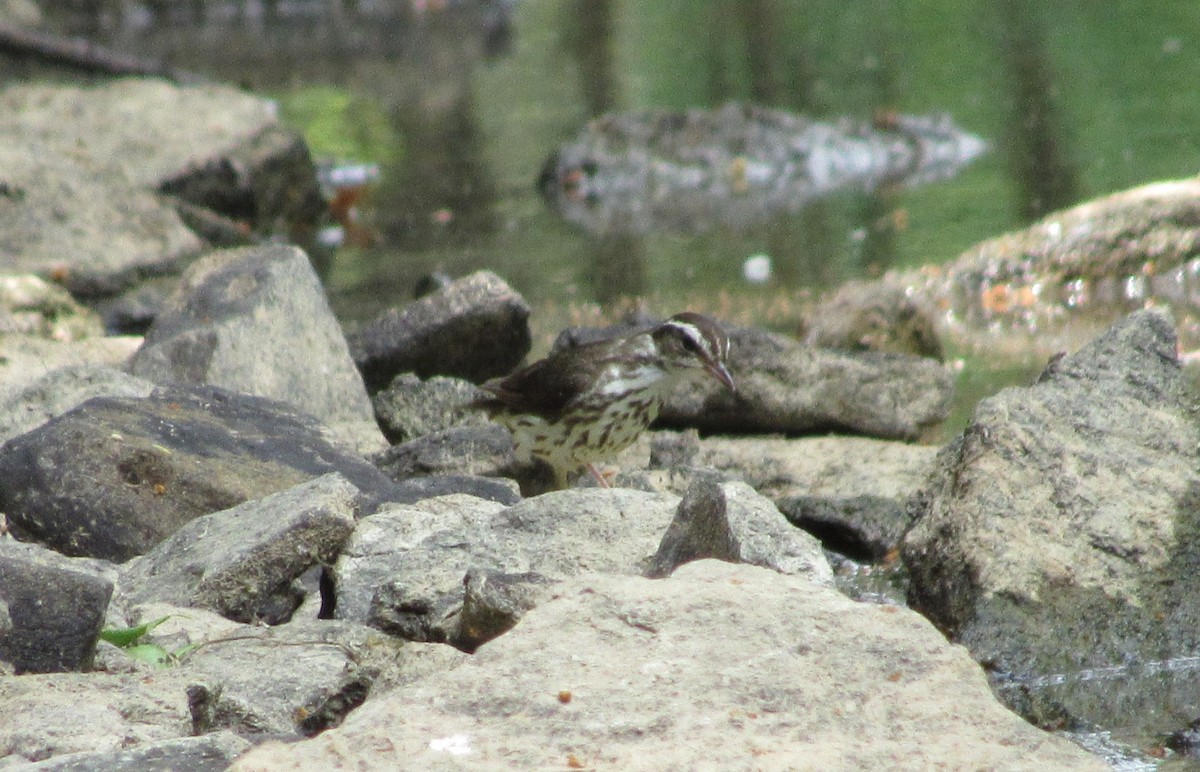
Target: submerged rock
735 166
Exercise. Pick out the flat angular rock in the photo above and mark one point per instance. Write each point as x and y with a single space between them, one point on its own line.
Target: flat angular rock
68 149
785 386
476 328
256 320
55 608
79 222
61 390
719 666
1056 534
403 569
208 753
52 714
295 679
483 449
240 561
28 358
115 476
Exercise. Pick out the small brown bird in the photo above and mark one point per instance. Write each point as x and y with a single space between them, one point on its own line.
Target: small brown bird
588 403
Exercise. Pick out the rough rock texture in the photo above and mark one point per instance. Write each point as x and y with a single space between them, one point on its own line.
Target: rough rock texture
256 320
848 491
292 679
403 569
720 666
241 562
1059 531
785 386
62 390
115 476
28 358
71 152
253 682
410 407
54 606
475 328
871 316
72 219
207 753
484 449
491 488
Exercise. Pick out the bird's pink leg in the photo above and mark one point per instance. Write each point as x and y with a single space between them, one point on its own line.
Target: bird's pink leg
600 478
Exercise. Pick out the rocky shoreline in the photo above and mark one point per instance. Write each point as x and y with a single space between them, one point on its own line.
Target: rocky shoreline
303 551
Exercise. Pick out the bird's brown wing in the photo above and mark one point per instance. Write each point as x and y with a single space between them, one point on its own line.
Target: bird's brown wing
547 386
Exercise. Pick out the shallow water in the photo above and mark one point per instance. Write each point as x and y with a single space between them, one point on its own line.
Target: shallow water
460 103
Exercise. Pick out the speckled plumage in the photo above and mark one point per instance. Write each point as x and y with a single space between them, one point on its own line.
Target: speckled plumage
588 403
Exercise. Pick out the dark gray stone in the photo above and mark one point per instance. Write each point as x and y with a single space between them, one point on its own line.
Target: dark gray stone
476 328
864 528
785 386
55 609
416 489
700 530
267 180
256 321
493 602
240 562
208 753
115 476
483 449
476 449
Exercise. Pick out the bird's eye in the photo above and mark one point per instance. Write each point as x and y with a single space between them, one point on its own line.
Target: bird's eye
690 344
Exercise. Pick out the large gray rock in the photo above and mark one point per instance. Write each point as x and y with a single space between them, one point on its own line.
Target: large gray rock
28 358
718 667
256 320
1057 533
55 608
71 218
785 386
403 569
68 149
475 328
241 562
59 713
115 476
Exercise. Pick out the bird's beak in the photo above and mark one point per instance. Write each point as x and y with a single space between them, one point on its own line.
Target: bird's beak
718 371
